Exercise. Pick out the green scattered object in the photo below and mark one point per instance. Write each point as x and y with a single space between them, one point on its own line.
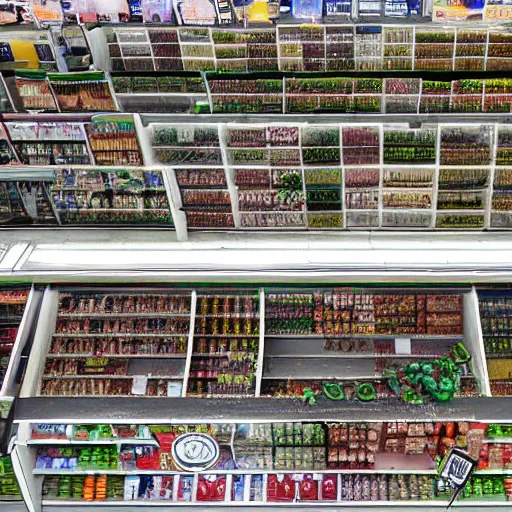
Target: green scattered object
366 392
438 378
309 396
333 391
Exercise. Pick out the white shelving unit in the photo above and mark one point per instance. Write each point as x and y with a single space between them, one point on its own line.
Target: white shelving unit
289 40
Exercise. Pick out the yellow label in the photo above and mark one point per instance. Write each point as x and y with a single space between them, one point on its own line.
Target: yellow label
25 52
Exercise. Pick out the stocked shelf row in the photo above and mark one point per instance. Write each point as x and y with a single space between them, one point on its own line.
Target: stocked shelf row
304 48
328 463
38 92
220 343
283 175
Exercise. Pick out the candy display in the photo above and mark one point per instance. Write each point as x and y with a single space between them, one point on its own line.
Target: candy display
205 197
251 50
409 146
252 96
77 92
465 146
113 141
323 198
342 312
34 92
101 327
226 345
184 144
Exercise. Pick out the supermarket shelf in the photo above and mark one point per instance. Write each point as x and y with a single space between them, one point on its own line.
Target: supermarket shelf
404 506
257 410
263 119
110 441
50 472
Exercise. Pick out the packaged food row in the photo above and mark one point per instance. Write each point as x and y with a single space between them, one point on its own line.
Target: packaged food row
365 313
312 48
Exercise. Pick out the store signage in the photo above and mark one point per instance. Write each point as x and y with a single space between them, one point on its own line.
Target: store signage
195 451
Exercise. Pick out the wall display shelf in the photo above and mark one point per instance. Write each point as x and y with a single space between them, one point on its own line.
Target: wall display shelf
352 335
293 48
284 464
92 346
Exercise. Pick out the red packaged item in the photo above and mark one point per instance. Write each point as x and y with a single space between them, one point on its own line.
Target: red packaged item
308 489
165 440
149 458
211 488
329 487
280 488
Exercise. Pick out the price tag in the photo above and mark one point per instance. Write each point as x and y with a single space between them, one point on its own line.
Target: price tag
139 385
403 346
174 389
